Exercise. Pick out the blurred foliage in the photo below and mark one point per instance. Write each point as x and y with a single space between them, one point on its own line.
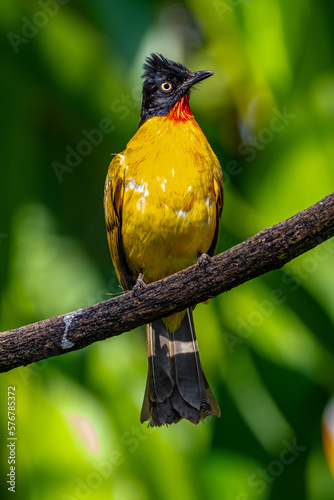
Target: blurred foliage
70 98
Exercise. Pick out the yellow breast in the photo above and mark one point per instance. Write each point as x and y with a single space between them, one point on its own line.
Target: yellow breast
169 205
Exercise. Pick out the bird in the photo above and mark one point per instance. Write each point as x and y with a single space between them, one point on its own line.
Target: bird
163 200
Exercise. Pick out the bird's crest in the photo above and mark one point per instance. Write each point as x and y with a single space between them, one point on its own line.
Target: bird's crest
158 64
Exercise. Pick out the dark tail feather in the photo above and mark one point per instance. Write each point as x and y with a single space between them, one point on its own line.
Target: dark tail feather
176 386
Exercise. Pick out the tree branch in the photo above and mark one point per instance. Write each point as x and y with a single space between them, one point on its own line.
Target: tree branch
268 250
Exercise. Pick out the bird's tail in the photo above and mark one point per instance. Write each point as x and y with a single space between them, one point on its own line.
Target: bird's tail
176 385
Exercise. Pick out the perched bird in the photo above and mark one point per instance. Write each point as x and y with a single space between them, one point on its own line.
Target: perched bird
163 201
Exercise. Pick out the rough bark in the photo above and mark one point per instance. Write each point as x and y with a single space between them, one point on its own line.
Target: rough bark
268 250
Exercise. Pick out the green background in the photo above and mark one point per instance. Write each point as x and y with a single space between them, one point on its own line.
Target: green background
267 347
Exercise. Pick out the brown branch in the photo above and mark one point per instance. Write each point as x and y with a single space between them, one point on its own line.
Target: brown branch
268 250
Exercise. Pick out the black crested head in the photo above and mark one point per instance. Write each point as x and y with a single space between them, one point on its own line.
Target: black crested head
165 83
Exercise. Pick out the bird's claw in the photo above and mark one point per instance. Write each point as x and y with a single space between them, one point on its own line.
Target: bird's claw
139 285
204 260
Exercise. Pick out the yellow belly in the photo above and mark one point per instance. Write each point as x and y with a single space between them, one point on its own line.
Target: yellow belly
169 205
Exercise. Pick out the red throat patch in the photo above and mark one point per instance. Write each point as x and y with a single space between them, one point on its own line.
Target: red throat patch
181 111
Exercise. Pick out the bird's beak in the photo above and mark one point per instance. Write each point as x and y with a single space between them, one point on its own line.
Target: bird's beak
197 76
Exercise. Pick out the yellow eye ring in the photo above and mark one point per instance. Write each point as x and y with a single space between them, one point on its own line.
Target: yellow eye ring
166 86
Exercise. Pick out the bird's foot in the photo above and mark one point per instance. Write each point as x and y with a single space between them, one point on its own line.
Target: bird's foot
139 285
204 260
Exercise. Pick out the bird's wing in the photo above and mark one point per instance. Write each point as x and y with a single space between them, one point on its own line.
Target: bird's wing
219 200
113 204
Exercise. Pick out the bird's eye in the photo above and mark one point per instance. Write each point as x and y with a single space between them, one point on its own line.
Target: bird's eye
166 86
